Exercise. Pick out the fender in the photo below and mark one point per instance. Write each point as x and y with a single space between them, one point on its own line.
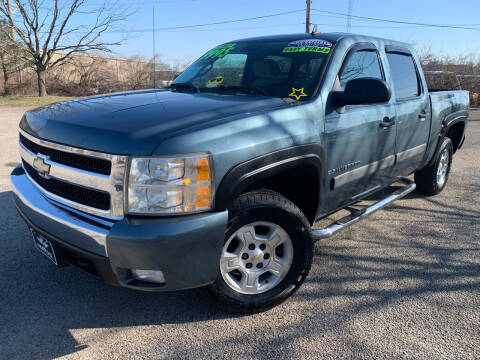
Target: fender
447 123
240 177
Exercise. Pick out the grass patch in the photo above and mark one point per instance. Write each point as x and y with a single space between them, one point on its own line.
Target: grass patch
31 100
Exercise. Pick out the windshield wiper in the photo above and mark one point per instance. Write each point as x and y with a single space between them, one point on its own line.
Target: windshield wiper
185 86
249 89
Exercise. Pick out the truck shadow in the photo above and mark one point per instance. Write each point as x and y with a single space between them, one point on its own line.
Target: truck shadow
431 258
44 303
43 306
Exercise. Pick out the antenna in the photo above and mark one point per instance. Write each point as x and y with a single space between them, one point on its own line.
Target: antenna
315 30
349 16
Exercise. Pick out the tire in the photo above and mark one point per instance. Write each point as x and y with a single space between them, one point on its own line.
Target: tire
429 180
273 220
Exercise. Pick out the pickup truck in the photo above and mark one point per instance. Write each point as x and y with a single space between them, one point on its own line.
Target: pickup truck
217 179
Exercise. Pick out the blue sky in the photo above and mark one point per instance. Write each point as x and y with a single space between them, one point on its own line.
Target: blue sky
188 44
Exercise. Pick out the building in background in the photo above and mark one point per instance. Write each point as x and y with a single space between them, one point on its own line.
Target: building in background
84 75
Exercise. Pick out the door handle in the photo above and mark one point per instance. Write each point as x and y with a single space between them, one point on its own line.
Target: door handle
423 115
387 122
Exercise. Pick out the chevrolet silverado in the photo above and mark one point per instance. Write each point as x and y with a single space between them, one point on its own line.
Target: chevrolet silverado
217 179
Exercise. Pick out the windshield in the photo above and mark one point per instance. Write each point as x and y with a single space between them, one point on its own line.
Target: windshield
285 69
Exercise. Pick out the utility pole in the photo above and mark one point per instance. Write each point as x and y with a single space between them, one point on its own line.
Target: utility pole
349 17
307 22
154 55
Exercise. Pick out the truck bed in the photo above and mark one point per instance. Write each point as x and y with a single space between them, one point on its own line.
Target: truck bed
447 104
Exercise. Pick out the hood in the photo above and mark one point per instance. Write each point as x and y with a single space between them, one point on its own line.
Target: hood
135 123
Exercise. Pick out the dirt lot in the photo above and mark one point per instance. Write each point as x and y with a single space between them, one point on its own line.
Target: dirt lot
19 101
403 284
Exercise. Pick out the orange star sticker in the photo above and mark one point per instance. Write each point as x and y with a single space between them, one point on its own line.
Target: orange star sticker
297 93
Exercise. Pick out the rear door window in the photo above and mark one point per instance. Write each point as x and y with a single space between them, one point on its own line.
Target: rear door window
404 75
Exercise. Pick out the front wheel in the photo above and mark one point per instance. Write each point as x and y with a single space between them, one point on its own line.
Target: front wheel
266 255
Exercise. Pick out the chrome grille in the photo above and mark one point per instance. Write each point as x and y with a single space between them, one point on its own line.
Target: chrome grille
101 166
77 178
79 194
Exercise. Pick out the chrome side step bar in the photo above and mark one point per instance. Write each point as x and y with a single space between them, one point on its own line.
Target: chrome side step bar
357 215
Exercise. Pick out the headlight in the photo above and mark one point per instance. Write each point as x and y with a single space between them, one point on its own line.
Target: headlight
170 185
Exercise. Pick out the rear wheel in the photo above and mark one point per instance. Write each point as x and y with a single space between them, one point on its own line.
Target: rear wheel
266 256
433 179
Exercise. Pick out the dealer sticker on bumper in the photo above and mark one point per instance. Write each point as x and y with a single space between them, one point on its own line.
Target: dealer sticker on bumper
44 246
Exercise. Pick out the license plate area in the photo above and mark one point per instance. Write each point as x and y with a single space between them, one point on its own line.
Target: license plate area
44 246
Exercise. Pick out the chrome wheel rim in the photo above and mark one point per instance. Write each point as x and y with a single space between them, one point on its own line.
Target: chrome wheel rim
442 170
256 258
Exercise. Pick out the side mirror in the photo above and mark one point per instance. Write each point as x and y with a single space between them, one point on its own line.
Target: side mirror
362 91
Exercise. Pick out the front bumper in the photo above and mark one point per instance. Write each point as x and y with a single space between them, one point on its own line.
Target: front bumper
185 248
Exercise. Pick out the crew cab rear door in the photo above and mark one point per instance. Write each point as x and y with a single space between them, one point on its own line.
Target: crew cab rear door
412 108
360 151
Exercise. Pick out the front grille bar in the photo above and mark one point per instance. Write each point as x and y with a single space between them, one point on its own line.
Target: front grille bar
83 162
81 195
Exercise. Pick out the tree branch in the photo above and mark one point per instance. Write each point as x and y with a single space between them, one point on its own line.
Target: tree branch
45 32
50 32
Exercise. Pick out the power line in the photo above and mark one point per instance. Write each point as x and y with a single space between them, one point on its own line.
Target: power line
195 25
368 26
327 14
449 26
245 28
382 27
146 3
225 22
336 14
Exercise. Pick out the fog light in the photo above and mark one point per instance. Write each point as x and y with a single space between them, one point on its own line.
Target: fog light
154 276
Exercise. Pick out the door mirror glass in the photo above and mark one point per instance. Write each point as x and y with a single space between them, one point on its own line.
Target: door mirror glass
362 91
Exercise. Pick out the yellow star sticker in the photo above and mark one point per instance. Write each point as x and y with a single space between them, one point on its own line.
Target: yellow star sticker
297 93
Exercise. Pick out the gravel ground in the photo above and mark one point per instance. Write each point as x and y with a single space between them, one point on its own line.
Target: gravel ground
402 284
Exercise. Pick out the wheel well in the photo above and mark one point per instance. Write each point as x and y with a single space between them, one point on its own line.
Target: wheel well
300 185
455 133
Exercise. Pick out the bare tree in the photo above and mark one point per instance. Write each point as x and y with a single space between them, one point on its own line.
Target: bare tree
46 35
10 61
5 59
137 73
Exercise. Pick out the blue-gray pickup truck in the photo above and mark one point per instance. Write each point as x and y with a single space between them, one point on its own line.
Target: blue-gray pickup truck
217 179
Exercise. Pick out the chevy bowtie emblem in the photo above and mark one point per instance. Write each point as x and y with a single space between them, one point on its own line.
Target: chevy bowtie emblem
41 166
256 257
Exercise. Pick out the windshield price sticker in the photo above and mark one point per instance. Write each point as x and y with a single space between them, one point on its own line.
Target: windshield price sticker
220 51
309 45
316 49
